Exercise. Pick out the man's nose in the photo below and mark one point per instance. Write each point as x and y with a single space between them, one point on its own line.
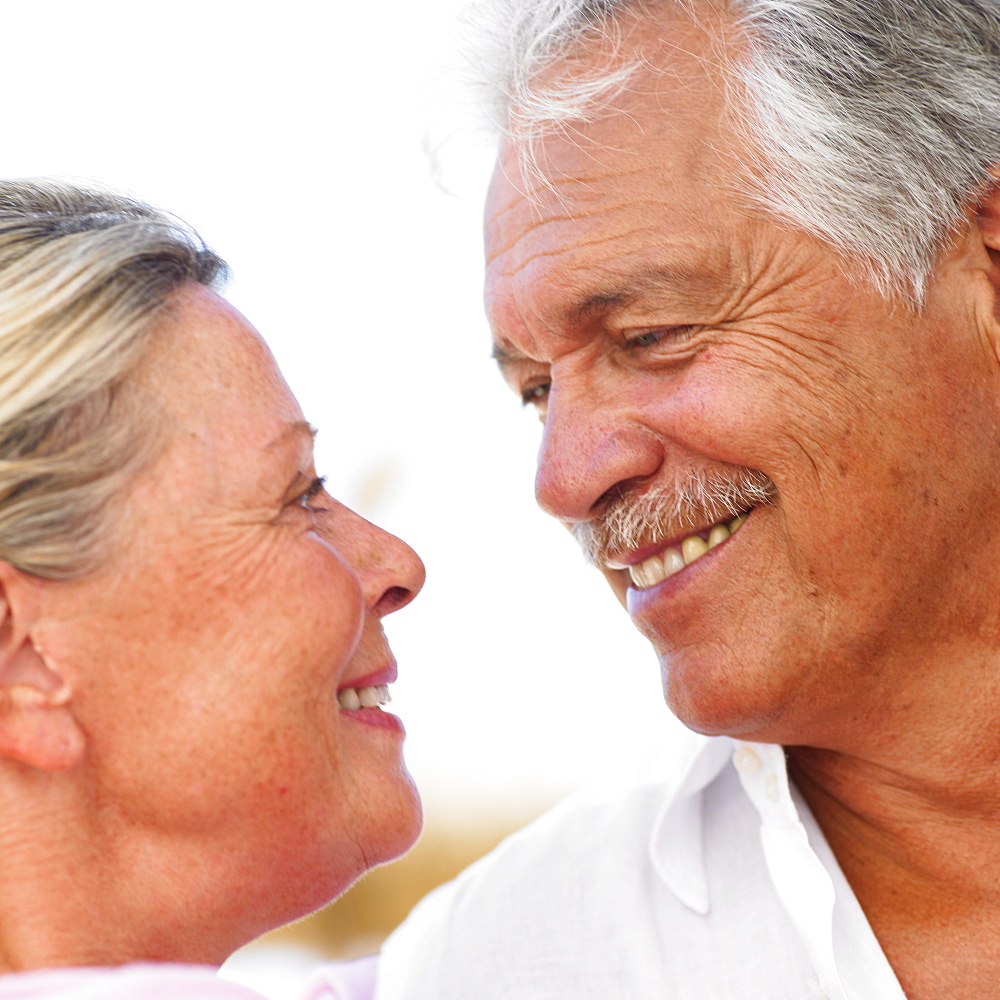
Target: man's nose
591 450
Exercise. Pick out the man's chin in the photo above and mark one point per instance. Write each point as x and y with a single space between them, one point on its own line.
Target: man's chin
717 699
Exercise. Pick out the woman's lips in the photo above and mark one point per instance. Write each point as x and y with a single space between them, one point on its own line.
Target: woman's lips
375 717
360 698
387 675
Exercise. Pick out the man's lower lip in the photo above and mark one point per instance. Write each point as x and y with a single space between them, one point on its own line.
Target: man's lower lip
639 598
674 551
375 717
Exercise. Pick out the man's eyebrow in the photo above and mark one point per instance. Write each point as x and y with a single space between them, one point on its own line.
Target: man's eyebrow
685 282
676 279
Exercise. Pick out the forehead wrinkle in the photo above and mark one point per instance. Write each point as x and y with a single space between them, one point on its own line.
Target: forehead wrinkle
515 217
534 187
548 238
574 187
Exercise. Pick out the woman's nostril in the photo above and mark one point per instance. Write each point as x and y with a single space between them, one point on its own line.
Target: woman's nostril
393 599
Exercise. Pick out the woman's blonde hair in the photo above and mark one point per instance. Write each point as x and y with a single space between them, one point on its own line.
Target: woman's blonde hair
83 276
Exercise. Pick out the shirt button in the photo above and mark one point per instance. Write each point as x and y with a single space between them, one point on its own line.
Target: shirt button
771 788
746 761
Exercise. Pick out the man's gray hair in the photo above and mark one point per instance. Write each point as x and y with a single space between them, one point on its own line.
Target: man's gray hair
876 123
84 276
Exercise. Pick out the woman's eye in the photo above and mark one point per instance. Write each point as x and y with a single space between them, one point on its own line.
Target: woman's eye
532 395
305 499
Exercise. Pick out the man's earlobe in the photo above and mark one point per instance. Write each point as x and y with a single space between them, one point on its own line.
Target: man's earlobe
37 725
989 224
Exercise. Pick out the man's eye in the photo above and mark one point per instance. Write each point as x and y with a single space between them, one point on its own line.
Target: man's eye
674 334
645 339
532 395
305 499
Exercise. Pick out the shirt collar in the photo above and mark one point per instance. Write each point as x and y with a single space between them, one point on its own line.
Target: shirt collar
802 883
676 844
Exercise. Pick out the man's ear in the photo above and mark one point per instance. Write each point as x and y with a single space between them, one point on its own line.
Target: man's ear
37 725
989 229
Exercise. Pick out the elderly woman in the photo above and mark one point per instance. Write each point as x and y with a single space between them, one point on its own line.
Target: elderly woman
191 653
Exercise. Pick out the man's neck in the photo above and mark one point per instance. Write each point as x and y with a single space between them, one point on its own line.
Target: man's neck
921 850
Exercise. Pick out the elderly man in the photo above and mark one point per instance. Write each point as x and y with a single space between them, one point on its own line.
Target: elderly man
744 260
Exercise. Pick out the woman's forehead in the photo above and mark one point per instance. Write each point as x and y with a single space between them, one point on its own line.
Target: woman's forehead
231 432
209 366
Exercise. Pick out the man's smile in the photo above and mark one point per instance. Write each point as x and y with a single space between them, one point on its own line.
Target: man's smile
673 558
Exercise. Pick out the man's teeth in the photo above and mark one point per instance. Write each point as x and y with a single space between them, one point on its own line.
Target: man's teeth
664 564
367 697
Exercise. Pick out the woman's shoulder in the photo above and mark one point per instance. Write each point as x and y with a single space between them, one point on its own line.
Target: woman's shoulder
152 981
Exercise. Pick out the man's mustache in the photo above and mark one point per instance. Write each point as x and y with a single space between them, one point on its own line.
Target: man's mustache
637 518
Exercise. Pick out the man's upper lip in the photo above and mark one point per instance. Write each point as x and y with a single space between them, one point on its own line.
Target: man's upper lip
622 560
387 675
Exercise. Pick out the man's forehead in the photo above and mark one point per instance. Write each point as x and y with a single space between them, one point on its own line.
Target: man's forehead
628 223
667 124
636 200
674 66
631 180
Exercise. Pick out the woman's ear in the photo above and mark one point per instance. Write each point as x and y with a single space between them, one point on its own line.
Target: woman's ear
37 725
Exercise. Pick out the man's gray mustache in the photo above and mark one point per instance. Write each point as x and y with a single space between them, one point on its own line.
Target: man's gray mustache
694 501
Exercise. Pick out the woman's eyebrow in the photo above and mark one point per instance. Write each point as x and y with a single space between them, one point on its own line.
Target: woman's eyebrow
293 429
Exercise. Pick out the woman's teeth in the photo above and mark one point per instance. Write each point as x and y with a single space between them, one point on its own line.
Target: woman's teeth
367 697
658 568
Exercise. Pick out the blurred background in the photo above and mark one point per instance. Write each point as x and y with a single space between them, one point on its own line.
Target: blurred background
330 152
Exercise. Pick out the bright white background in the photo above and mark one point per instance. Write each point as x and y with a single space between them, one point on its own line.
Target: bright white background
322 150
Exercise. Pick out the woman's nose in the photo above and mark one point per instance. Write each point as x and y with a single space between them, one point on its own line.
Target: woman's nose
408 575
391 573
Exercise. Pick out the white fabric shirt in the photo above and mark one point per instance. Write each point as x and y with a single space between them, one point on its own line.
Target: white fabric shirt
703 876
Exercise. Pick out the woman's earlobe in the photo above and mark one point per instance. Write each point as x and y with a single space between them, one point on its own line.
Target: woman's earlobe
38 728
37 725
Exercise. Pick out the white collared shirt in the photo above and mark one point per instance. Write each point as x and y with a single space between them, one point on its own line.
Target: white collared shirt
701 877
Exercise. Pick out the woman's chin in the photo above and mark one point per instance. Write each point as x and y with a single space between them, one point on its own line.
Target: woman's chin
386 826
401 824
